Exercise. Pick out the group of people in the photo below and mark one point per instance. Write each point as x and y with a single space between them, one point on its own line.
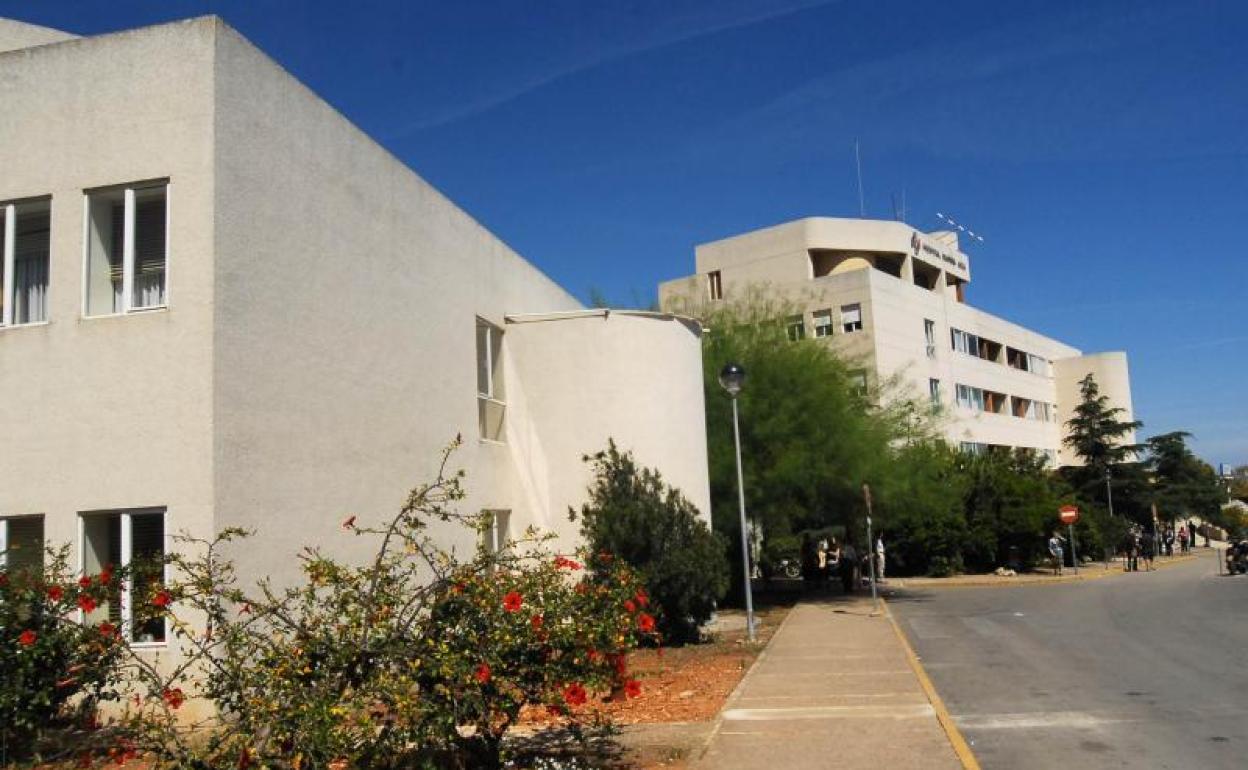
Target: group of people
1140 543
828 559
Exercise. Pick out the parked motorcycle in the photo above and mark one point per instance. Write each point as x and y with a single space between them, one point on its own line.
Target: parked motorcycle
790 568
1237 558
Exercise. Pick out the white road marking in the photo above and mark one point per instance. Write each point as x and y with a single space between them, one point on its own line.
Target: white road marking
1041 720
911 711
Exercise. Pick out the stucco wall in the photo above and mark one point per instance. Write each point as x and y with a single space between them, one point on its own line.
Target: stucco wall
634 378
1112 376
347 295
111 412
17 34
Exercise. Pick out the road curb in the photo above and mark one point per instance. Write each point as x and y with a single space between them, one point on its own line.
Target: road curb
956 740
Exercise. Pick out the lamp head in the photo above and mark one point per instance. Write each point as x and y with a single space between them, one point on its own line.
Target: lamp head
732 377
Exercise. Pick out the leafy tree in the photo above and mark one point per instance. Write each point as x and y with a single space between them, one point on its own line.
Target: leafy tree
1239 483
1011 503
652 527
920 510
809 436
1182 483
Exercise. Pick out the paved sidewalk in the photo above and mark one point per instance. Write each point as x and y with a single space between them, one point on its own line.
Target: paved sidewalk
834 687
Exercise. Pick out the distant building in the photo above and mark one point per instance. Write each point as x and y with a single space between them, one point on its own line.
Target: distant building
225 305
894 299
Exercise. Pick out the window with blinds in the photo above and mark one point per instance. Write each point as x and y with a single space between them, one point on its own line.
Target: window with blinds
127 248
134 539
26 231
851 318
823 323
21 543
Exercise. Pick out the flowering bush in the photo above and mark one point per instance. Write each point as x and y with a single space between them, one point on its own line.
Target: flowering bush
53 669
415 658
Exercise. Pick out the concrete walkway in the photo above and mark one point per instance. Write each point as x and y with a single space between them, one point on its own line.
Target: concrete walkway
835 687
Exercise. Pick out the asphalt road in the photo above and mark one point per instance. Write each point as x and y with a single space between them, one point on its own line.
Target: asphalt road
1144 670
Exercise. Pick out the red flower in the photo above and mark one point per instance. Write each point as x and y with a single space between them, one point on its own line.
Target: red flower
161 599
632 689
108 629
645 622
4 578
106 575
642 599
55 593
84 582
594 656
173 697
349 522
483 673
27 638
565 563
86 604
621 664
512 601
574 694
536 622
581 588
628 605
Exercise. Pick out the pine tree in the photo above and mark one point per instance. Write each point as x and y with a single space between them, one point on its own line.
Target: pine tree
1096 430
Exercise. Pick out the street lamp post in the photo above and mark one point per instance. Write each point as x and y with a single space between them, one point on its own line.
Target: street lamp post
732 378
1109 498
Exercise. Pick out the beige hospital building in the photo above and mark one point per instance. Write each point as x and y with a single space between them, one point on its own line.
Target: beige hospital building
225 305
893 299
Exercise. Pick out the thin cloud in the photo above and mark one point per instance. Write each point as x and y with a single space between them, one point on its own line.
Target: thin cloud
675 33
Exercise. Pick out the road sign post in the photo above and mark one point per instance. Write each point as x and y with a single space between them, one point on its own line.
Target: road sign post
875 601
1069 515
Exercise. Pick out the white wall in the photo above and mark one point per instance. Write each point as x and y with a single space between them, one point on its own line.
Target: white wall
17 34
111 412
348 290
581 380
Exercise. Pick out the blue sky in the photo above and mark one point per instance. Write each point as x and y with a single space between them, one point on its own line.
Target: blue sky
1100 147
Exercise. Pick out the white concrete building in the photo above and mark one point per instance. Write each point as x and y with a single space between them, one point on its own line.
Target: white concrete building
224 305
892 298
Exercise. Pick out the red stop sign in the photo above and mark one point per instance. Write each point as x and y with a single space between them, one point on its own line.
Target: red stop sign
1069 514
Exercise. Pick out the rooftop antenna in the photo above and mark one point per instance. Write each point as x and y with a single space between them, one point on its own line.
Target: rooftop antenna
862 208
959 228
896 211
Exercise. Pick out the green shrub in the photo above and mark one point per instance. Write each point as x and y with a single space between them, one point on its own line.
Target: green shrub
650 525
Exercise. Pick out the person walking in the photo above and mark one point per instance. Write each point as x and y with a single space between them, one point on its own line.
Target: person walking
1182 539
879 558
849 567
1057 552
1148 547
1130 551
1168 539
